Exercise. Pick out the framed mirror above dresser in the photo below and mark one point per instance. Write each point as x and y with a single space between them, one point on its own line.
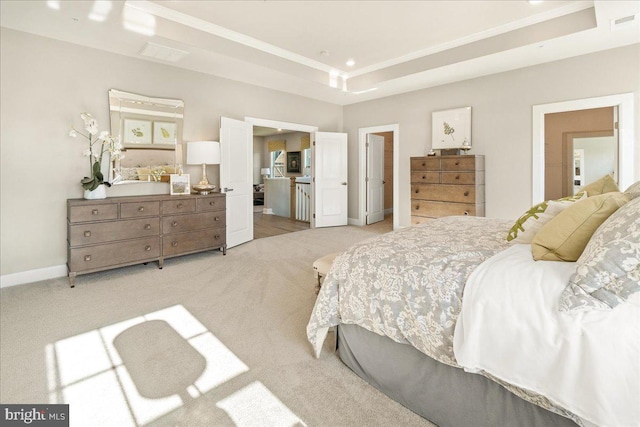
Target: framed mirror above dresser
150 130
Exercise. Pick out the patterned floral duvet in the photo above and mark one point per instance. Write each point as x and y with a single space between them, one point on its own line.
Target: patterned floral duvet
408 284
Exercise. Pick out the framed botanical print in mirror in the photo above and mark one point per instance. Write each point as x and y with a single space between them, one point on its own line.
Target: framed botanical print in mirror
150 130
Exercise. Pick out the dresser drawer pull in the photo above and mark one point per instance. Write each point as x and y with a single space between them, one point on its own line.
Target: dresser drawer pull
457 176
174 224
147 248
212 203
180 205
466 193
87 257
147 226
174 243
216 237
466 212
417 207
424 164
87 233
424 177
94 212
457 163
217 218
417 191
141 209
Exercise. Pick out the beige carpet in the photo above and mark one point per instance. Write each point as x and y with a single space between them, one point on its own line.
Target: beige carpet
206 341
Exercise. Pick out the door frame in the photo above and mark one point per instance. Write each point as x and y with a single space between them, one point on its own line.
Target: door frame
627 164
362 171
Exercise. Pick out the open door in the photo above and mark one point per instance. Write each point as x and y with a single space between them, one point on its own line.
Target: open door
329 171
236 178
375 178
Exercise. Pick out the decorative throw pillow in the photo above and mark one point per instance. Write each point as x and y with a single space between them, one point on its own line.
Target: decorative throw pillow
608 271
633 191
606 184
565 236
528 225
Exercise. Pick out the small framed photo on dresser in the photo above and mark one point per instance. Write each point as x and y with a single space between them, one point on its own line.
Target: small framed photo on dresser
179 184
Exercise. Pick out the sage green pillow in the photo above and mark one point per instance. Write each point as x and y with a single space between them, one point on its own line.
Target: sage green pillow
606 184
528 225
565 236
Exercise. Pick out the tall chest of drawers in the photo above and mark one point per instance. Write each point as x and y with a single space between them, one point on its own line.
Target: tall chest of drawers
446 185
120 231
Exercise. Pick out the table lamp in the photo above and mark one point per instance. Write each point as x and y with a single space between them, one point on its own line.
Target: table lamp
204 153
265 172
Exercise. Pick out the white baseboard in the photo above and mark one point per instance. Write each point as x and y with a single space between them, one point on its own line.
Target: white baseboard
354 221
388 211
266 211
30 276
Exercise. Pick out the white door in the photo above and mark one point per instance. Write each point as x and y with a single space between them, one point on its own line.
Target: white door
375 178
329 170
236 178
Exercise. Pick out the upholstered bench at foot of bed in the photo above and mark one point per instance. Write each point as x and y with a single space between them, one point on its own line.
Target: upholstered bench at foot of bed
321 268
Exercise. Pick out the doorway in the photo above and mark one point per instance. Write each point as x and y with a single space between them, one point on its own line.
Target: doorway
378 175
627 161
273 216
579 145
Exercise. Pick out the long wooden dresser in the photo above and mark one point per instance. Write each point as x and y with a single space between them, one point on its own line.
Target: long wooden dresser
446 185
119 231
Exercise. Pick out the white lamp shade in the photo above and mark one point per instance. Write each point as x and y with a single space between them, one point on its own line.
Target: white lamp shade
203 152
265 171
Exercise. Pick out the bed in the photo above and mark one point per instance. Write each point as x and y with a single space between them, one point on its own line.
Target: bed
465 328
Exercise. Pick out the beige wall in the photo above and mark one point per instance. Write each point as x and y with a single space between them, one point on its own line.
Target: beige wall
501 120
46 84
556 126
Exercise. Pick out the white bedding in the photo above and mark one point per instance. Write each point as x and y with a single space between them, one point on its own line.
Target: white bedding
510 327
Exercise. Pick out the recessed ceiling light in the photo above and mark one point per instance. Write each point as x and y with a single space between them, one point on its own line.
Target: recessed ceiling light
351 62
535 1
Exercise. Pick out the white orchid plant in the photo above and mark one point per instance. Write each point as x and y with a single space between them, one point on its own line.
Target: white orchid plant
98 146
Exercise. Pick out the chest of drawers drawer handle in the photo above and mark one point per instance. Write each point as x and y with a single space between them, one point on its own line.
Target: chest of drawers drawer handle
141 209
216 237
457 163
180 206
417 191
457 176
147 248
174 243
424 177
147 226
87 233
424 164
94 212
417 207
87 257
466 212
212 203
174 224
466 193
217 218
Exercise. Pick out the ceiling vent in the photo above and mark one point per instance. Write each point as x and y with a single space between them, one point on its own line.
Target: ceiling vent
626 22
163 53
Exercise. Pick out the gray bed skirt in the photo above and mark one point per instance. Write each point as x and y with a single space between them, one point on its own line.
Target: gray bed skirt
444 395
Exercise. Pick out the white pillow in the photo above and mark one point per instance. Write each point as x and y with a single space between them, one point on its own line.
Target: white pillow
528 225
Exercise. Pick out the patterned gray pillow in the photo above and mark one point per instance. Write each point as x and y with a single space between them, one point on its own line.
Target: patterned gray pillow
608 271
633 190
